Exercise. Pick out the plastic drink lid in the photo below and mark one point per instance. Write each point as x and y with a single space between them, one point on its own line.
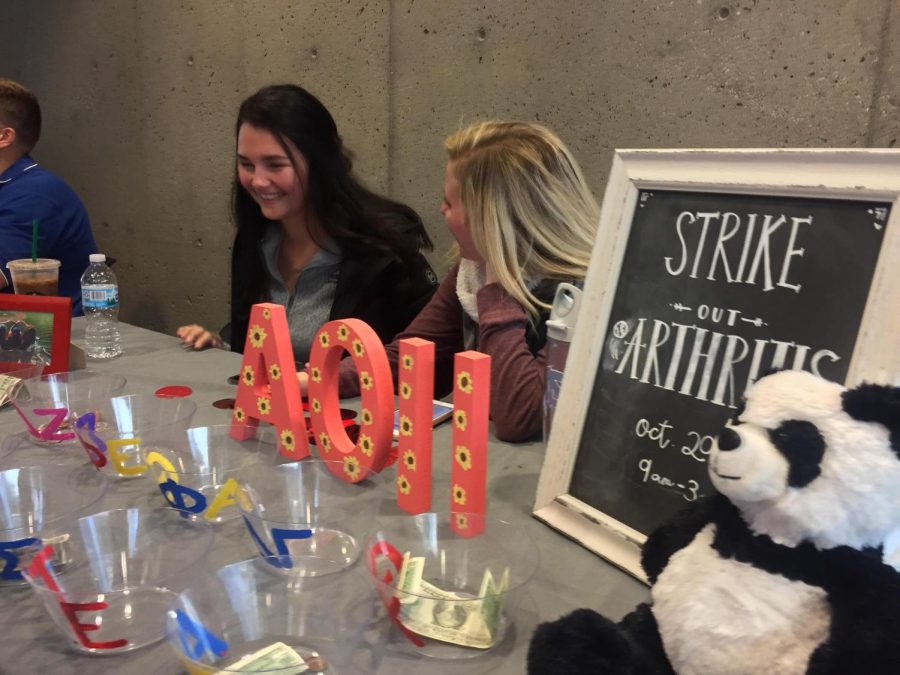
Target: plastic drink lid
97 257
564 313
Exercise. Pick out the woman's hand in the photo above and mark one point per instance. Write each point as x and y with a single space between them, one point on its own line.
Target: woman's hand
197 337
303 381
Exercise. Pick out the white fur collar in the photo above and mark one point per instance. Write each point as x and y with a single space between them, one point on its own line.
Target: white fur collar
469 280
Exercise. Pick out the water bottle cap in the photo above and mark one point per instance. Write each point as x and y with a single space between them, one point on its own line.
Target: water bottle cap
564 312
97 257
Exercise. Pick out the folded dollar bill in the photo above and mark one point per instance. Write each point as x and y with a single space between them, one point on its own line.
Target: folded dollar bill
7 387
458 618
277 656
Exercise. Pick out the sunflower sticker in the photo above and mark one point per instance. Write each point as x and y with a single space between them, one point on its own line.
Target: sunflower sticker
409 460
324 442
343 333
405 390
460 419
406 426
464 382
462 522
351 467
366 446
365 380
287 440
264 405
358 349
275 371
408 362
459 495
366 417
267 314
403 484
323 339
247 375
315 374
463 457
239 415
316 406
257 336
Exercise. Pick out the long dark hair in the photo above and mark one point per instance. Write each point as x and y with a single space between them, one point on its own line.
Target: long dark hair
358 219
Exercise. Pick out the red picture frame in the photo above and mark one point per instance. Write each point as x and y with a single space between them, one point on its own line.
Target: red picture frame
27 311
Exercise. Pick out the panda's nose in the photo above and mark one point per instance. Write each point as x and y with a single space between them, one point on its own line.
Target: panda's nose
729 439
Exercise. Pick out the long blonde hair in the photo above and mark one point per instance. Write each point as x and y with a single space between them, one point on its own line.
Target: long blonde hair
530 213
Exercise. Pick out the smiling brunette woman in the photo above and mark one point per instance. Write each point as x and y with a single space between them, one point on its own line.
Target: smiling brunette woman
309 235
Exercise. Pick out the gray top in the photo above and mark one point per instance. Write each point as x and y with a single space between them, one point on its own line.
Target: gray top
309 303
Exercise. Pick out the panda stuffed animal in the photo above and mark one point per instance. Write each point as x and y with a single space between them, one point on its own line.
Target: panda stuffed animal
791 568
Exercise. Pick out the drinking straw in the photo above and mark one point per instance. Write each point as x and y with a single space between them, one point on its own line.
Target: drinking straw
34 236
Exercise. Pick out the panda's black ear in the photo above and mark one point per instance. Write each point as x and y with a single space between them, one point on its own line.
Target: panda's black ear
876 403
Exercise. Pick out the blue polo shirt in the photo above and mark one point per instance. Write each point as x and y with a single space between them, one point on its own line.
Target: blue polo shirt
27 191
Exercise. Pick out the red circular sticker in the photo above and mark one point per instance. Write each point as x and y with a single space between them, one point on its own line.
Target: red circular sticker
174 391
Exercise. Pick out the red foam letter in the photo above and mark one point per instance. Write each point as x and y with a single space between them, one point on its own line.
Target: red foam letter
267 389
468 476
373 447
39 567
415 386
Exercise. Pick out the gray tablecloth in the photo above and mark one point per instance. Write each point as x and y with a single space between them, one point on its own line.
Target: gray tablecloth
568 576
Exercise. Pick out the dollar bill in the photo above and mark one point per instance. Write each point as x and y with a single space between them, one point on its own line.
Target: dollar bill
492 596
277 656
458 618
7 388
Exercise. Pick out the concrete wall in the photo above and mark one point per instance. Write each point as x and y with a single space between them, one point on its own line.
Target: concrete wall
139 98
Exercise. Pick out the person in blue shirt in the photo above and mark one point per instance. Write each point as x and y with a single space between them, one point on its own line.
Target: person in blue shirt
29 192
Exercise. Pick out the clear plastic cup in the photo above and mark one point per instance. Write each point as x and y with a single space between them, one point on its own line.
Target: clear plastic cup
304 513
197 469
115 433
332 622
39 506
49 405
8 443
35 277
121 571
450 596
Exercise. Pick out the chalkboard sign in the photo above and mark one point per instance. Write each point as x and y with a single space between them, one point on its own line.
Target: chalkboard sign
697 287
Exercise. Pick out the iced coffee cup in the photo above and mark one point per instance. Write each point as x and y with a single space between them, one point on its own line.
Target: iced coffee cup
35 277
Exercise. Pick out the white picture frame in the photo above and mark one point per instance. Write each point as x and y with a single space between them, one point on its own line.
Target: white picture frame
856 175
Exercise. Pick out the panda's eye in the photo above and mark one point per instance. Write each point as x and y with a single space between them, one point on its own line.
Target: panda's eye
803 446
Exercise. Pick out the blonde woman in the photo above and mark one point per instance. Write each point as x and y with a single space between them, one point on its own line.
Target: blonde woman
524 220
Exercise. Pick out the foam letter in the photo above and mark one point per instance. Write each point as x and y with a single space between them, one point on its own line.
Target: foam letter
205 641
118 458
415 386
224 498
371 451
267 388
93 444
468 476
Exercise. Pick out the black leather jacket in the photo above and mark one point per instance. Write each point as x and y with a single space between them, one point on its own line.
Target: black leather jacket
377 289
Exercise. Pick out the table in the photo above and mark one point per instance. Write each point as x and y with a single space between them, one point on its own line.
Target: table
569 576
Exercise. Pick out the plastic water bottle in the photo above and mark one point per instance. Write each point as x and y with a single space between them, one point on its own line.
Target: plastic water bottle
560 330
100 299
